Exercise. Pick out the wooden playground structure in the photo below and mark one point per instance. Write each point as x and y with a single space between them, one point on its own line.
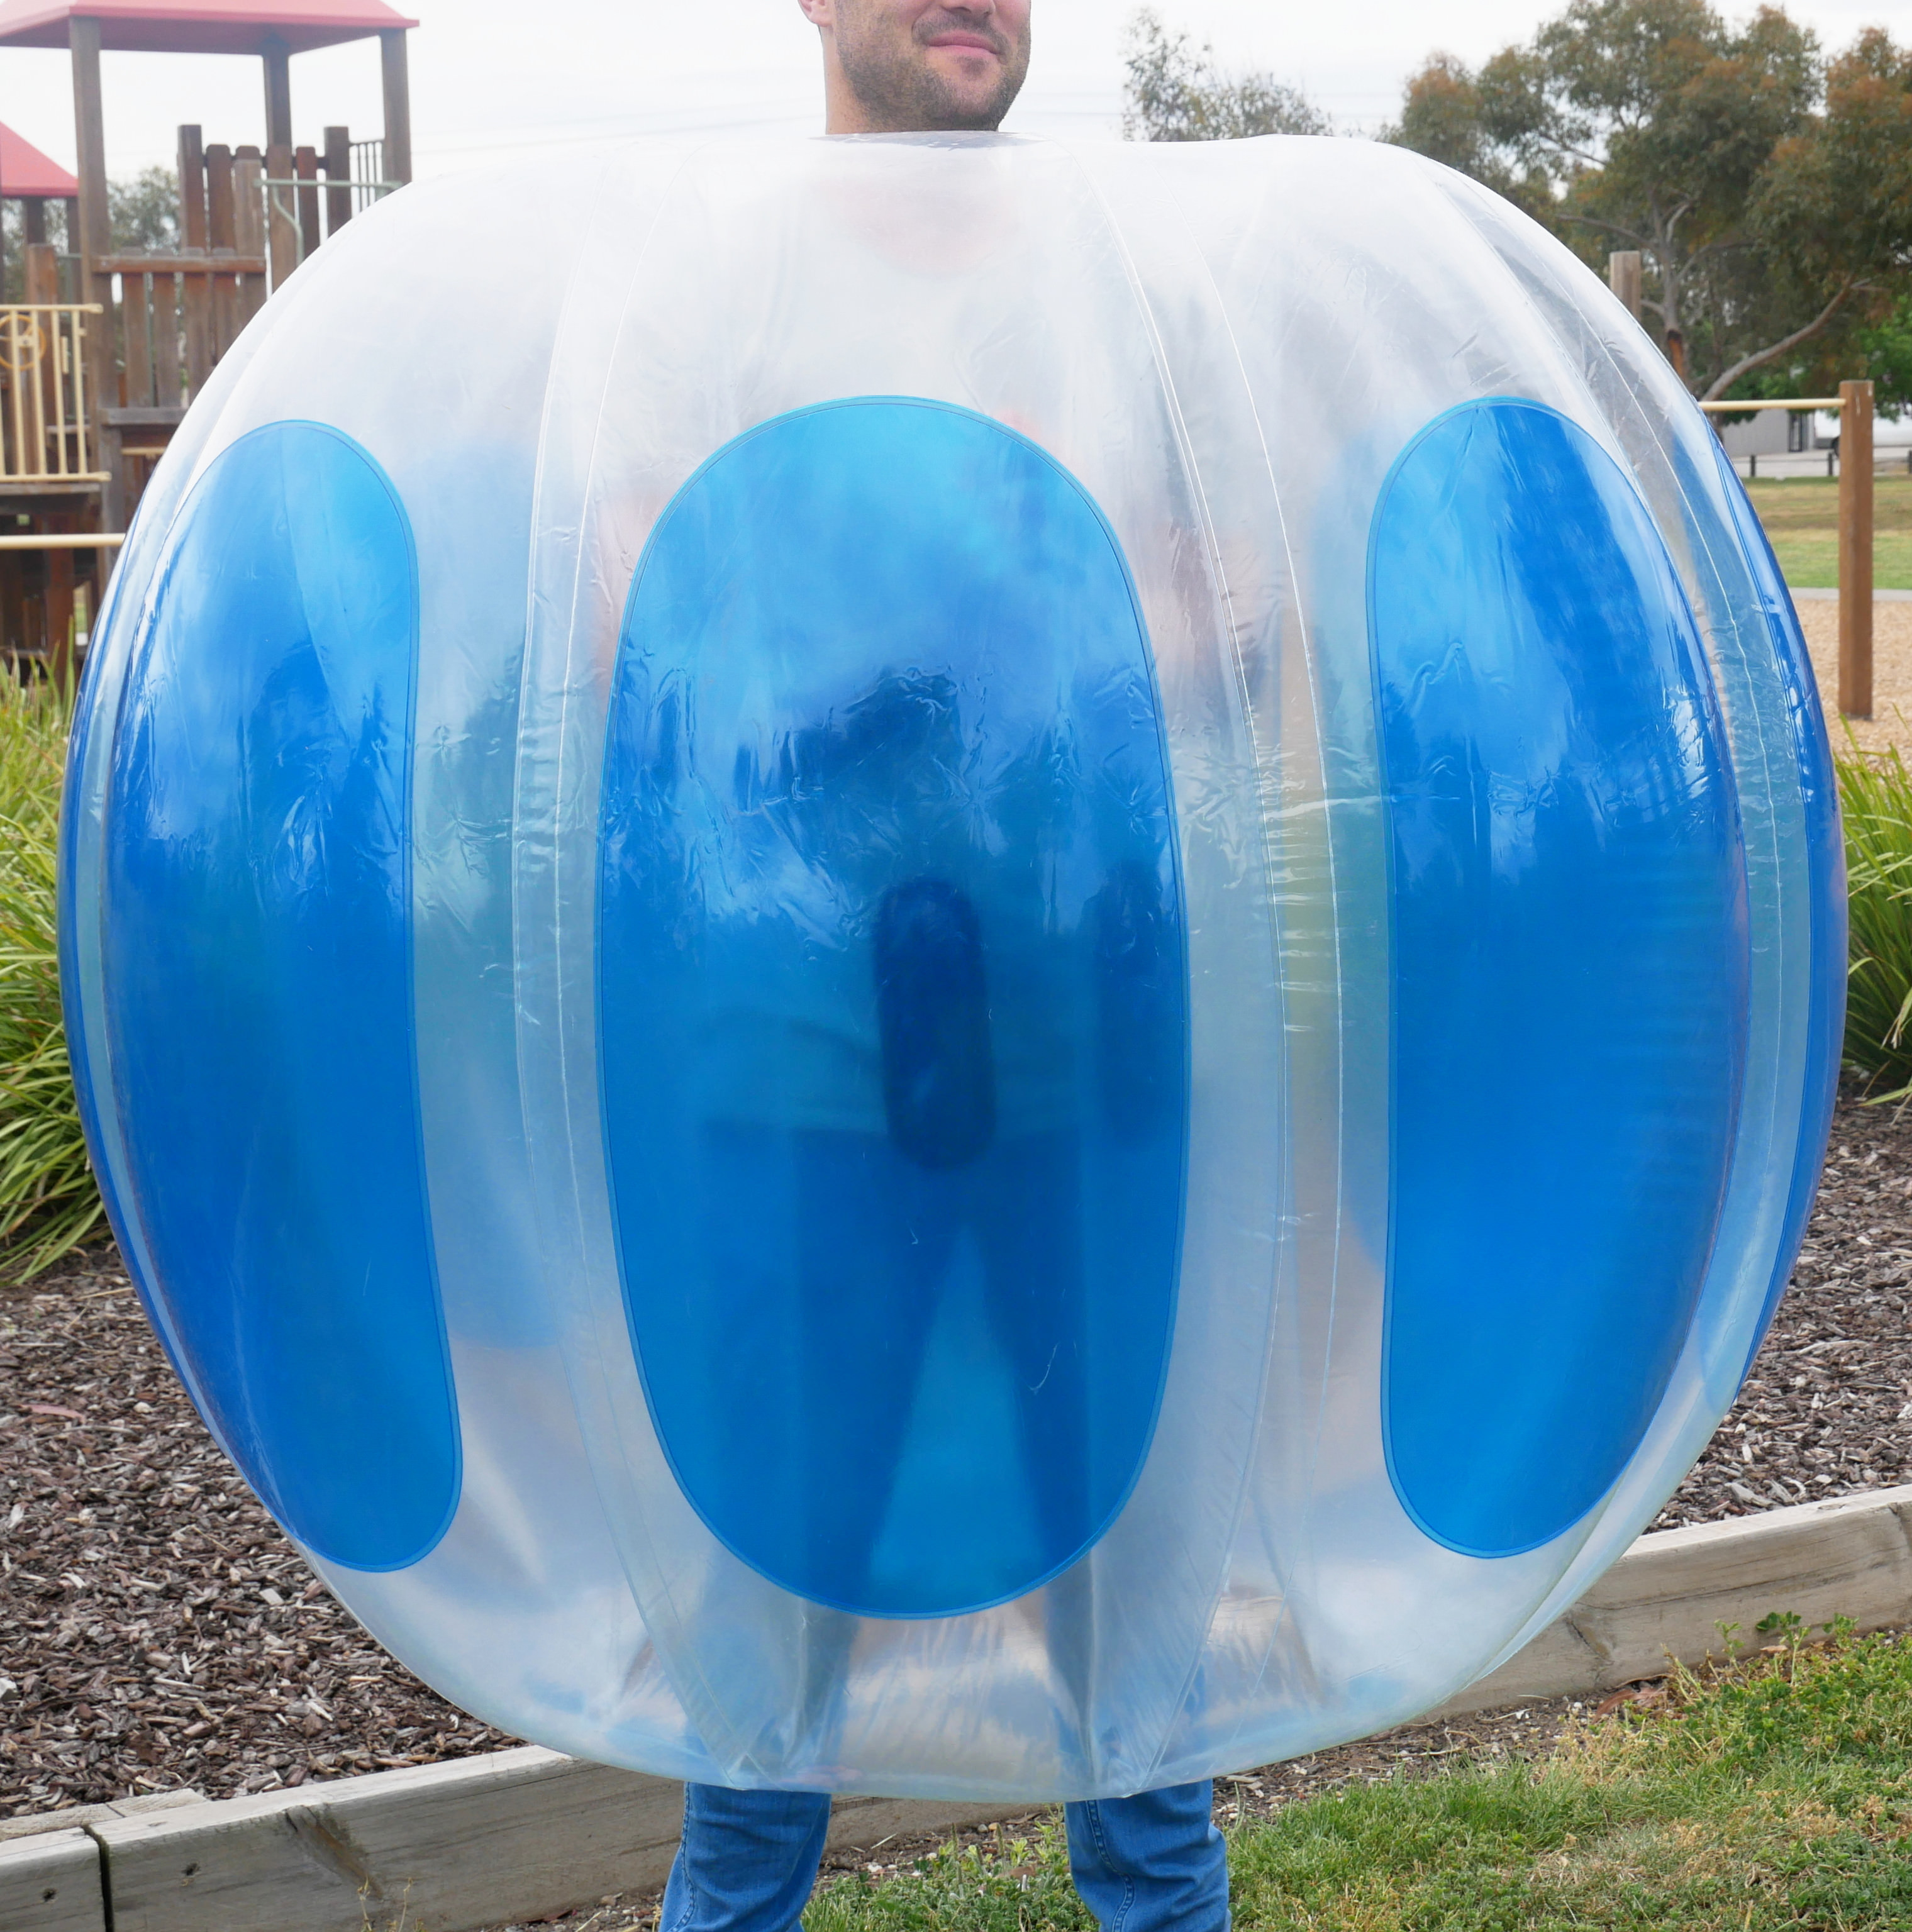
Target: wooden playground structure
103 354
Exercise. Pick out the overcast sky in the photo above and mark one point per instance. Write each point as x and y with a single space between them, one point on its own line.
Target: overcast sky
486 79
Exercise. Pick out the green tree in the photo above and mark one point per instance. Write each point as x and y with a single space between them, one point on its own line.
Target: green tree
13 239
1770 194
1444 116
1886 345
1174 92
144 211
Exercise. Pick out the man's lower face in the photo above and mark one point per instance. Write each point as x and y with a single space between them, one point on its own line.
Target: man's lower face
905 81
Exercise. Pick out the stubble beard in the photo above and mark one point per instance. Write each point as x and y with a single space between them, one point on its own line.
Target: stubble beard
901 94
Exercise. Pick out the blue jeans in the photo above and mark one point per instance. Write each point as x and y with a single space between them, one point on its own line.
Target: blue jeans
1153 1863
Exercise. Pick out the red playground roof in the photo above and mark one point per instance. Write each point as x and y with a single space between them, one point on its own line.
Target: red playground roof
25 170
199 26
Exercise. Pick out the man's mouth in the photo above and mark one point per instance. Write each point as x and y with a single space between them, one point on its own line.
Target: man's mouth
965 41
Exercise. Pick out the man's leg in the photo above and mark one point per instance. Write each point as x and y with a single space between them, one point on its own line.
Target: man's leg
748 1861
1152 1863
874 1238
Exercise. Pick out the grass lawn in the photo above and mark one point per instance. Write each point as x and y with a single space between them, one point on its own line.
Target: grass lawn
1801 515
1780 1796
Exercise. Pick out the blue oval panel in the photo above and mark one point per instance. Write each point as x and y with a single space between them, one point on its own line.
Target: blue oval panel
1570 963
256 954
892 1007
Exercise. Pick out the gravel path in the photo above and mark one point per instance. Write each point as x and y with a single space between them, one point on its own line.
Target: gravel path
160 1632
1891 721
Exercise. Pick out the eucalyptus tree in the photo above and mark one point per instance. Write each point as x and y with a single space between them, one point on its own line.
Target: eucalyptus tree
1174 91
1769 191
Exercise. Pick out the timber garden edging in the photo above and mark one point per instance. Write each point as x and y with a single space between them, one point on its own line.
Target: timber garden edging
528 1832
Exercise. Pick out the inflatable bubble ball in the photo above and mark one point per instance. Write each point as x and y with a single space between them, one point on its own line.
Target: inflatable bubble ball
979 968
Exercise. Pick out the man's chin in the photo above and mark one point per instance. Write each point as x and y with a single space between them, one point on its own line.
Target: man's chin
972 99
954 91
971 86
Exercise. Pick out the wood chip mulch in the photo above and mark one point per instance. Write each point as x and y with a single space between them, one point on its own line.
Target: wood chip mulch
158 1629
159 1632
1827 1408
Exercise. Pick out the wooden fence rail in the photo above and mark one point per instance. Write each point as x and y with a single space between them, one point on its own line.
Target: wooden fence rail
46 413
177 315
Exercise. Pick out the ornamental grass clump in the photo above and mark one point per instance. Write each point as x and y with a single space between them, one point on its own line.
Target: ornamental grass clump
48 1202
1875 798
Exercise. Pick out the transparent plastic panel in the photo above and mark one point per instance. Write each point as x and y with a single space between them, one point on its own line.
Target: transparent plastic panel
1823 886
521 1613
779 1687
1787 809
1027 857
1795 906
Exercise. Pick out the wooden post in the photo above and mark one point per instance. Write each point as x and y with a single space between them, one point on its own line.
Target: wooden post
398 104
338 177
59 616
192 188
33 211
133 308
195 291
220 229
95 241
249 225
42 281
13 606
1856 549
95 237
305 165
223 234
169 360
281 218
1623 278
278 59
42 272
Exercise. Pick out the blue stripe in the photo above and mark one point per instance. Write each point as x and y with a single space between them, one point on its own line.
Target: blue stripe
257 978
892 1007
1569 968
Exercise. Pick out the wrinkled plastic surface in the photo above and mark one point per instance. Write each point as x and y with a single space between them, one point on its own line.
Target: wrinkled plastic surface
989 969
259 872
1569 1003
890 948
